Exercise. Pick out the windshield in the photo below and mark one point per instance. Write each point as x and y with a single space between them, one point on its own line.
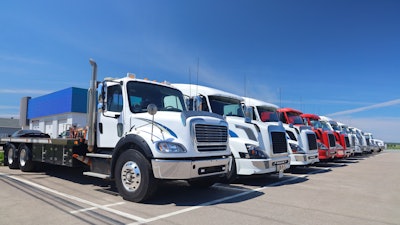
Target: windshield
142 94
267 114
294 118
326 125
226 106
315 123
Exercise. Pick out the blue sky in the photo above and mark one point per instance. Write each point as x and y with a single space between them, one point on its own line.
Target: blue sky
329 57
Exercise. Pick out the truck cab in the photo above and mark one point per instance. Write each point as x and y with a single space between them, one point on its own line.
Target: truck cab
256 147
303 148
329 148
342 138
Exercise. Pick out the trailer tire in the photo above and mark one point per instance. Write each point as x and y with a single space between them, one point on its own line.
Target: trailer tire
134 176
12 156
25 159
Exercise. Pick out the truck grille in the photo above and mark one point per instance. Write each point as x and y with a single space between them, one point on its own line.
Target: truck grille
332 140
312 141
346 139
279 144
211 137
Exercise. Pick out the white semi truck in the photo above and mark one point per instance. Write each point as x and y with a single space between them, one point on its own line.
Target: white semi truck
138 132
257 148
303 141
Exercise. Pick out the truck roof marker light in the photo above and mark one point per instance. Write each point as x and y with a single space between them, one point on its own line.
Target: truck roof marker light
131 75
145 78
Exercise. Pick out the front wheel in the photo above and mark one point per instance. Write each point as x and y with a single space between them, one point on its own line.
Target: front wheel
231 175
203 182
134 177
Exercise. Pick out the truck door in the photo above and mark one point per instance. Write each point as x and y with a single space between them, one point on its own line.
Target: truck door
110 124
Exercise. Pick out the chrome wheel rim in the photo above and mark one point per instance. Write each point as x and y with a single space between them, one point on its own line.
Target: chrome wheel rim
22 157
130 176
10 156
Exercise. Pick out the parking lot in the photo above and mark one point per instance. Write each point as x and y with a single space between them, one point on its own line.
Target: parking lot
358 190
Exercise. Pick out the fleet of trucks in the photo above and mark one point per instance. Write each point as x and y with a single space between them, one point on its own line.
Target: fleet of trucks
302 140
257 148
140 132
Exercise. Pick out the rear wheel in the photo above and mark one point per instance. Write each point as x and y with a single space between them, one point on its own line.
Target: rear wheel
25 159
134 177
12 156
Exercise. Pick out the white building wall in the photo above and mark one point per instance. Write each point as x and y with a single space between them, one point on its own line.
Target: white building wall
55 124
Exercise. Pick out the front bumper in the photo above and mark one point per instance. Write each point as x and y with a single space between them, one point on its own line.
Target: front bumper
187 169
303 159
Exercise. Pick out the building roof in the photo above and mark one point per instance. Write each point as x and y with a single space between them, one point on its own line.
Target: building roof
65 101
10 123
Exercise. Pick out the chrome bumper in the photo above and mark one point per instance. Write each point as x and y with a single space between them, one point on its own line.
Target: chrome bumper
188 169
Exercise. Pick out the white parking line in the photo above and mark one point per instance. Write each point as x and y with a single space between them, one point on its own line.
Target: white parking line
94 208
140 220
225 198
126 215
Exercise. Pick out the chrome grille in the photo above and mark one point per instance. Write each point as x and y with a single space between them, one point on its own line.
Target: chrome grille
279 144
211 137
312 141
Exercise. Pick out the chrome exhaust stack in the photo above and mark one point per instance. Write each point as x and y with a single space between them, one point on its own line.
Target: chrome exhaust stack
92 97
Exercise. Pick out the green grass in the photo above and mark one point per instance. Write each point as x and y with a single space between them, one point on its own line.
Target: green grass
393 146
1 158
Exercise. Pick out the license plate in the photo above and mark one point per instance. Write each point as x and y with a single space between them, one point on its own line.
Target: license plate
280 167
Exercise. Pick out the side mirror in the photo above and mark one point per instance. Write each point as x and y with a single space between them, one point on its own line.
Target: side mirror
152 109
248 114
197 103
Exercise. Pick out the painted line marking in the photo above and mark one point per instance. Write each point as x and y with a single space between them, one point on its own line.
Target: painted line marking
94 208
278 183
141 220
116 212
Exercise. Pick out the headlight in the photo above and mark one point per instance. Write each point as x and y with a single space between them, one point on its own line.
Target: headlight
296 148
170 147
253 152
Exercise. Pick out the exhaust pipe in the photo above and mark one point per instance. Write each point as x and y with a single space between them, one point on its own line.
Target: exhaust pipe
91 120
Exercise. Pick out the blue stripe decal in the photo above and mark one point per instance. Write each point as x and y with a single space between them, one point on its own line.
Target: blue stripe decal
233 134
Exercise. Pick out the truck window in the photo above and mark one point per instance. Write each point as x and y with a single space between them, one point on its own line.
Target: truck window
268 114
141 94
114 98
174 102
226 106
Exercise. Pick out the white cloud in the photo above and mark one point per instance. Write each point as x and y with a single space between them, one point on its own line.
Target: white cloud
379 105
384 128
21 59
24 91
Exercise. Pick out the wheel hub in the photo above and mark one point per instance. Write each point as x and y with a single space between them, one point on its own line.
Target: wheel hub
131 176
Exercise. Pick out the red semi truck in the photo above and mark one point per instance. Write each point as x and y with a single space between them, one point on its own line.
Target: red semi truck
326 134
325 140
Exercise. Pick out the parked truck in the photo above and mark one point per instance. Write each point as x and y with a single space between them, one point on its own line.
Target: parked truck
342 138
327 147
257 148
138 132
303 149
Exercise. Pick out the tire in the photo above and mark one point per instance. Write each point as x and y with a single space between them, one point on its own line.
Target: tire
231 175
12 157
138 186
203 182
25 159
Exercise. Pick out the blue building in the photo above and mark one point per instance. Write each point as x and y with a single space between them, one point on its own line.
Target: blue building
55 112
